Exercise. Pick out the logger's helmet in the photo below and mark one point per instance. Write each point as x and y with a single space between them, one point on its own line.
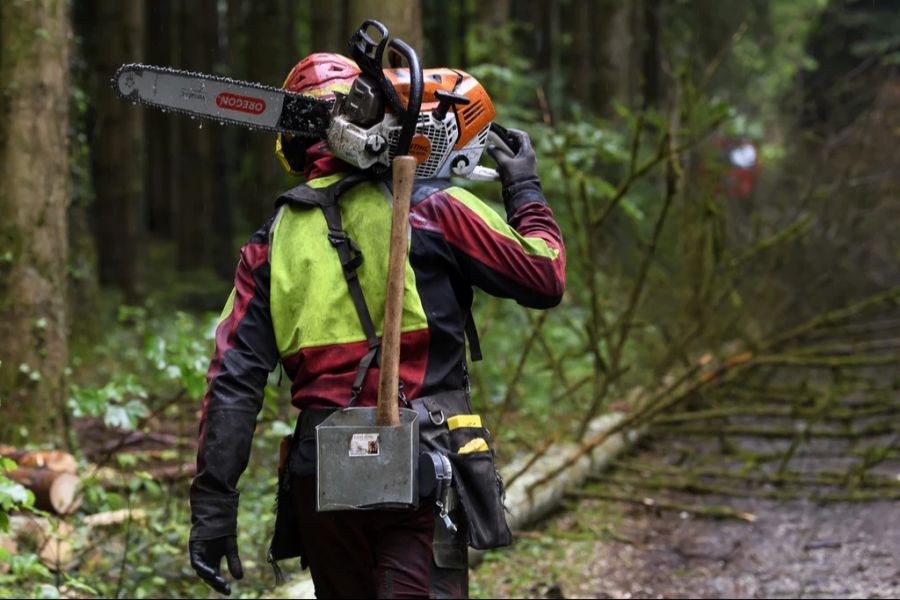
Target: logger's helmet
321 75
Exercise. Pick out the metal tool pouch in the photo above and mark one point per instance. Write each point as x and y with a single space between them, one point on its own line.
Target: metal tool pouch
447 427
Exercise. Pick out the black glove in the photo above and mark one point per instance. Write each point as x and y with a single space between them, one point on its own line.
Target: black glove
518 172
206 558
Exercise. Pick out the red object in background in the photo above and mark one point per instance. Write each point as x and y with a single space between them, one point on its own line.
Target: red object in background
741 158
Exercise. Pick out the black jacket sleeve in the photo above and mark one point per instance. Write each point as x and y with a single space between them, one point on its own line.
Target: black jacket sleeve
245 353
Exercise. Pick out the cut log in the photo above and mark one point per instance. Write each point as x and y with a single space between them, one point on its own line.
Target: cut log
8 544
50 539
53 490
55 460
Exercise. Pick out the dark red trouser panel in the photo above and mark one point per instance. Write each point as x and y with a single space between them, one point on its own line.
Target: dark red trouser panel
364 554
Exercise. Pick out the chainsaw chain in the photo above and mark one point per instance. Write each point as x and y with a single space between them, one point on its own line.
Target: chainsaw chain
317 122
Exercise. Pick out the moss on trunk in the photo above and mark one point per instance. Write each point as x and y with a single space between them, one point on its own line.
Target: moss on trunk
33 242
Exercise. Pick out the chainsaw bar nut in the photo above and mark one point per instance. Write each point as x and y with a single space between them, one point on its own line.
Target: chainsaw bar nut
375 143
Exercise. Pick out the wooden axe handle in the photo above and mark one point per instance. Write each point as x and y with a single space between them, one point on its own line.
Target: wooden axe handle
388 382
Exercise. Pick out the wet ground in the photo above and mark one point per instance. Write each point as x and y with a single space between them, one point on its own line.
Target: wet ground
791 547
765 471
794 549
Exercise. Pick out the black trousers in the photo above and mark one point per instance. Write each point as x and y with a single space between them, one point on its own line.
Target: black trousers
379 554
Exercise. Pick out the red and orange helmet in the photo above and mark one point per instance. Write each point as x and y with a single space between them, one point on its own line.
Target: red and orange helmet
321 75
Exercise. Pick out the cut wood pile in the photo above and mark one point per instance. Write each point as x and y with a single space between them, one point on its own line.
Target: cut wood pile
56 481
50 474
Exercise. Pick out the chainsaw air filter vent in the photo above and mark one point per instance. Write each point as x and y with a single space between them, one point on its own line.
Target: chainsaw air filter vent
472 111
438 135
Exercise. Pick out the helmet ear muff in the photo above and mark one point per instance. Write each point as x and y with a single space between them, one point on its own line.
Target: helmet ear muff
291 152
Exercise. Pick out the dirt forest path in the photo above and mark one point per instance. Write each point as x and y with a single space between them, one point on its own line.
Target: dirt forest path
776 479
793 549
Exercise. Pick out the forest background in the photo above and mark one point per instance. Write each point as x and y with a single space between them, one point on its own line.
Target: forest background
119 226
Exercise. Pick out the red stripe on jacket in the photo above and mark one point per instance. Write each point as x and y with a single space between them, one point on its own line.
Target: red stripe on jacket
464 228
323 376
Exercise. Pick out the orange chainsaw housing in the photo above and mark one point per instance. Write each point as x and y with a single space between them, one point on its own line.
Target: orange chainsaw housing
472 117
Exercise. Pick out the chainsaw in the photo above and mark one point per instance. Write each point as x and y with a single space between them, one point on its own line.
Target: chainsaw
367 127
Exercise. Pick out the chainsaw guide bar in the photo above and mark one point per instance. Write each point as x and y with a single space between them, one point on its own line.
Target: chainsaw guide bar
223 100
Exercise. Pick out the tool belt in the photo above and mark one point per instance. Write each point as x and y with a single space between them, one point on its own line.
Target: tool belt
448 429
449 434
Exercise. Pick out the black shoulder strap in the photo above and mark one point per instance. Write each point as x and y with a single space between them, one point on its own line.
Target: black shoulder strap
350 256
472 336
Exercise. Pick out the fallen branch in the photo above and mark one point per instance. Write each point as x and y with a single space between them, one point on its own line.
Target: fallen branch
114 517
693 486
534 457
717 511
837 414
834 316
138 437
875 429
799 360
829 477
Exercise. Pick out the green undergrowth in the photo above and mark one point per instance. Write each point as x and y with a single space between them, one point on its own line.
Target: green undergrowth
540 560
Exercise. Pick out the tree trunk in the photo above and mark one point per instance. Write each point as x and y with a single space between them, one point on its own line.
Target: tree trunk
268 61
327 28
403 18
159 183
536 13
194 171
496 12
652 92
34 190
116 147
83 281
583 69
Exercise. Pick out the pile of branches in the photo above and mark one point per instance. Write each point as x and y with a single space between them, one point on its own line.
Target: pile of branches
809 413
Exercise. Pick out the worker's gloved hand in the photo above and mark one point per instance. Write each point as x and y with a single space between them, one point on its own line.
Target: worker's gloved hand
206 558
518 172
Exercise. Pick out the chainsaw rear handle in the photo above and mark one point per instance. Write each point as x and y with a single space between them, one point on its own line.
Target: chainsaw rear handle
499 136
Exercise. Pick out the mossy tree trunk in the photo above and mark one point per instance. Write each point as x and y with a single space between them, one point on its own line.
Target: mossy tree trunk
159 184
196 143
403 18
327 30
34 189
117 147
269 59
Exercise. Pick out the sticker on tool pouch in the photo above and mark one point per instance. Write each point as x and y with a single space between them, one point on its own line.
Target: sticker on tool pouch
364 444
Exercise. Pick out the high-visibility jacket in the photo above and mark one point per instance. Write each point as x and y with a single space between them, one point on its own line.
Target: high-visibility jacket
290 303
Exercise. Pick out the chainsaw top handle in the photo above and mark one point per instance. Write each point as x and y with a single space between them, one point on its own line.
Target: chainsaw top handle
365 50
398 49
